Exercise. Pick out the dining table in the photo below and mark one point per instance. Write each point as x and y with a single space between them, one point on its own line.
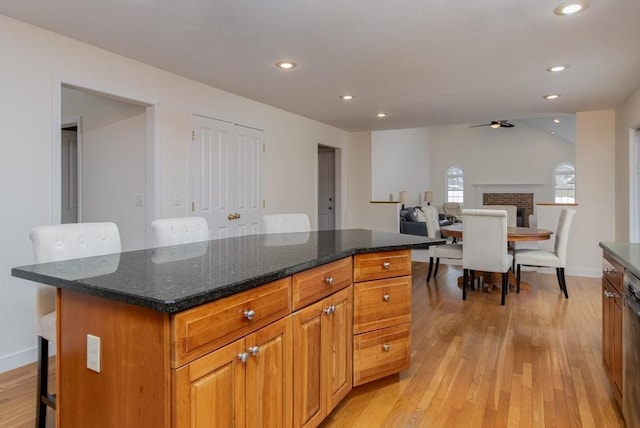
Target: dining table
514 234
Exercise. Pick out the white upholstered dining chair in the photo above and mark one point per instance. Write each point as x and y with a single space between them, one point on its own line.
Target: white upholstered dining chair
54 243
512 213
179 230
552 259
286 223
444 251
485 246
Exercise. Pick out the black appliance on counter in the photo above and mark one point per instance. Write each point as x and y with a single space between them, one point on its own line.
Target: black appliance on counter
631 350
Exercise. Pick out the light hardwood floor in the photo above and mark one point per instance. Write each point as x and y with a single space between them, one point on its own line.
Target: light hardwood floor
535 362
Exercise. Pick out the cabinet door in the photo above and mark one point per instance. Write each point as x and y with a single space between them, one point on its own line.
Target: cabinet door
269 382
309 390
607 326
209 391
337 346
616 351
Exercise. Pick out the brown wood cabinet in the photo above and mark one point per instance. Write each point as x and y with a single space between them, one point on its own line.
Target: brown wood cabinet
247 383
278 355
382 315
612 305
323 362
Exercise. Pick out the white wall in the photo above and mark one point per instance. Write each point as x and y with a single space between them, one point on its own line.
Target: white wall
627 118
113 162
595 190
401 161
518 155
34 62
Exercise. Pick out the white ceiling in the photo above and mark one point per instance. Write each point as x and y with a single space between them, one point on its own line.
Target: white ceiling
424 62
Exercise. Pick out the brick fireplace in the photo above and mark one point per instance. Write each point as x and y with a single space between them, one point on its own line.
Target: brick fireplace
523 196
524 202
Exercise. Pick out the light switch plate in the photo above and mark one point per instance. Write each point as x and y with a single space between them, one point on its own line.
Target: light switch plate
93 353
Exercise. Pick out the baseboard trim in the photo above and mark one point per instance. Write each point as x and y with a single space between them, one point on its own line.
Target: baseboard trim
21 358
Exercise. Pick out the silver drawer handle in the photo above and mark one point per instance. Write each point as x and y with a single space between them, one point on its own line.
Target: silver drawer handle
330 309
329 280
243 357
386 265
386 297
609 270
249 314
386 347
254 350
610 295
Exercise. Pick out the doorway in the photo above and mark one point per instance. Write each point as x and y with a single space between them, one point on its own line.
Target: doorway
326 188
71 170
116 161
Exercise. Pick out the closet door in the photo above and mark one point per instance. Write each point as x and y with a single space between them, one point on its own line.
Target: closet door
227 175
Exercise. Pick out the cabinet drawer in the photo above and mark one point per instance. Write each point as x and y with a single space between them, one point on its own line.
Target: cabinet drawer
200 330
613 271
381 303
317 283
381 265
380 353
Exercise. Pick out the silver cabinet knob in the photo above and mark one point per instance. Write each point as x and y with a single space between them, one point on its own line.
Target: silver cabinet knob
610 295
386 347
249 314
329 280
254 350
243 357
386 265
386 297
329 309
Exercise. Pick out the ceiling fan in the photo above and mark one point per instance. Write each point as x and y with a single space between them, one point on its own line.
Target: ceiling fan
496 124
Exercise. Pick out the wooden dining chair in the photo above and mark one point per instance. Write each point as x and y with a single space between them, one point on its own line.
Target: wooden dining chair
53 243
552 259
485 246
445 251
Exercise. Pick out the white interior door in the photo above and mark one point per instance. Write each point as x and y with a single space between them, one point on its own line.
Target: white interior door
227 172
326 188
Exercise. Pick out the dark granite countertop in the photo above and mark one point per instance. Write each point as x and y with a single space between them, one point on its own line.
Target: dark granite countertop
172 279
627 254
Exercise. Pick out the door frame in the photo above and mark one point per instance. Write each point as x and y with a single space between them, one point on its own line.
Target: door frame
153 160
77 122
334 155
634 183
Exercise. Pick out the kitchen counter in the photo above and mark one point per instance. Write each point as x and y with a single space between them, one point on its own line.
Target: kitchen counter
176 278
185 329
627 254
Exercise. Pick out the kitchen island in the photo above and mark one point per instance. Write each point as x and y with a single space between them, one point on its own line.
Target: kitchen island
260 330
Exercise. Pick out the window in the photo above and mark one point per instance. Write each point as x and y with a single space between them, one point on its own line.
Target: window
455 185
564 183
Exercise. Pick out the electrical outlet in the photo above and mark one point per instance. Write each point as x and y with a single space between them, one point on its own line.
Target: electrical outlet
93 353
140 200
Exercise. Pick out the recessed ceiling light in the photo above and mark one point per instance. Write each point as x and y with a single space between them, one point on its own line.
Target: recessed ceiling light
556 120
381 114
570 7
553 132
551 96
286 65
347 97
557 68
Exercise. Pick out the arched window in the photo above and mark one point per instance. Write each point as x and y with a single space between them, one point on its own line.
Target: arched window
564 183
455 185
